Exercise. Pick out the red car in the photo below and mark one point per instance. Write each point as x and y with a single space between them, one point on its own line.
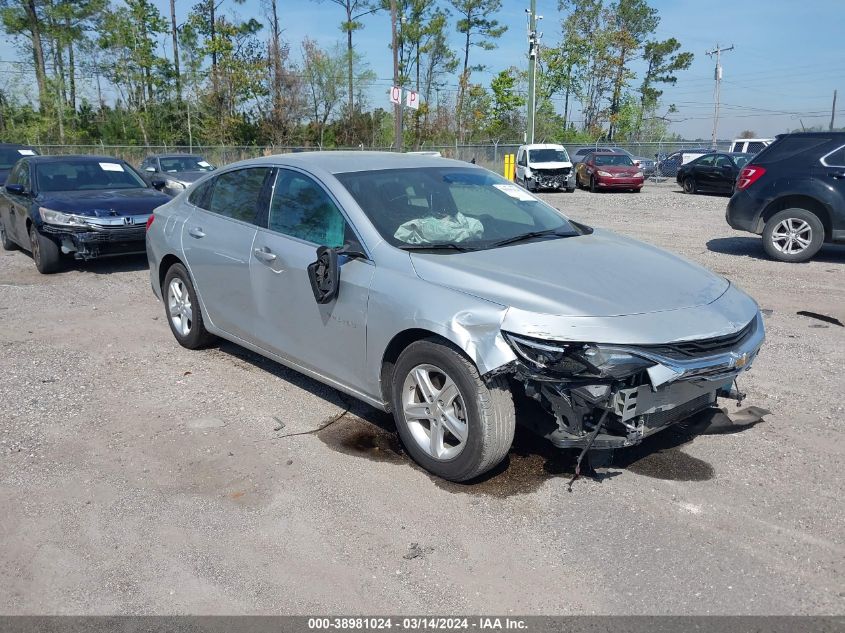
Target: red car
609 170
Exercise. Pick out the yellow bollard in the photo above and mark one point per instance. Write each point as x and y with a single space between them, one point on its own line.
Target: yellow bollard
509 166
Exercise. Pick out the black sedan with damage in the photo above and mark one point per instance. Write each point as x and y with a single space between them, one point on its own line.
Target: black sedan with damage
75 206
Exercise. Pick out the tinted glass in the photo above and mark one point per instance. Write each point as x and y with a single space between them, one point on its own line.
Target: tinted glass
172 164
301 208
449 205
548 156
86 175
704 161
612 159
9 156
201 195
19 175
236 194
723 161
837 158
753 148
789 146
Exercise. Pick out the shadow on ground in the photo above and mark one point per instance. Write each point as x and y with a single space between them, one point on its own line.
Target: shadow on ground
753 247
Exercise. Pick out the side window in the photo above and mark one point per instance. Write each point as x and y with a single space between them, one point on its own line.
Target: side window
523 158
236 194
706 161
200 196
836 158
14 175
723 161
301 208
21 175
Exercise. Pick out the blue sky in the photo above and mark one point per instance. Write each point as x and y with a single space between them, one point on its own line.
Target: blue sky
788 58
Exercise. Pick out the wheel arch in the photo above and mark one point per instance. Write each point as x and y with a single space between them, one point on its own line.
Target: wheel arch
394 349
166 264
800 201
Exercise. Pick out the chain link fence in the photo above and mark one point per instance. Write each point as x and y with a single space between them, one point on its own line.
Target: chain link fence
489 155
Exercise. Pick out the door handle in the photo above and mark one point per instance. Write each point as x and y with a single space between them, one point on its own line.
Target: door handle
264 254
196 232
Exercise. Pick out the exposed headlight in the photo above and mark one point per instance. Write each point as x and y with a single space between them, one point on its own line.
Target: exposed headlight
175 184
582 360
639 174
49 216
606 174
527 172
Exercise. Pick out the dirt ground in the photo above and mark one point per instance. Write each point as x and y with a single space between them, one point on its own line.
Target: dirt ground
139 477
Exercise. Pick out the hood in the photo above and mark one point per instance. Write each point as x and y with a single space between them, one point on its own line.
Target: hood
602 274
104 202
184 176
619 169
550 165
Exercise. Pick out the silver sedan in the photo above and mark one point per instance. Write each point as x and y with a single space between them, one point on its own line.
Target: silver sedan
436 290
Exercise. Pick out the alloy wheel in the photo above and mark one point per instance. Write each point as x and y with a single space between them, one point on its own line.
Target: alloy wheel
434 411
179 307
792 236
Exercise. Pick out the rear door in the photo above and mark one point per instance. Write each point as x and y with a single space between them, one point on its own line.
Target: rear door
833 174
217 241
329 339
704 172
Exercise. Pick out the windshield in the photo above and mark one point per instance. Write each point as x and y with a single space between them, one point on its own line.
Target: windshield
70 175
471 208
548 156
612 159
174 164
9 156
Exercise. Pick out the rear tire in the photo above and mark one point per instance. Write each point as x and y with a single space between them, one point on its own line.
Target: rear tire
481 413
689 185
45 253
8 244
182 307
793 235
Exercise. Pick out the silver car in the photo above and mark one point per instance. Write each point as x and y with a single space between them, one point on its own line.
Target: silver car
436 290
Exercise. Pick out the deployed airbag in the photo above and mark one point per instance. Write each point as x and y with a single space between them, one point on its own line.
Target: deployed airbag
450 228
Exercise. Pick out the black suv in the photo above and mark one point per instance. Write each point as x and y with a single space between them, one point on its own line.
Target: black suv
793 194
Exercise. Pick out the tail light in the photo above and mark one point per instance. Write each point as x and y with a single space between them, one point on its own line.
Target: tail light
748 176
150 221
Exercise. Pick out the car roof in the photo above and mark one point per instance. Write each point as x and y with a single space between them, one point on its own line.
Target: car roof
341 162
544 146
175 155
76 158
611 153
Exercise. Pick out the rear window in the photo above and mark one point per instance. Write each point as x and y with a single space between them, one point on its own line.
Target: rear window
789 146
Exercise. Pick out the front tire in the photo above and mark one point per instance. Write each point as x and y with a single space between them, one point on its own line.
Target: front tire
689 185
183 309
452 422
793 235
45 253
593 187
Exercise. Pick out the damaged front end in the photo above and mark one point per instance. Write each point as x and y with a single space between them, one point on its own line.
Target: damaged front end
88 237
612 396
551 178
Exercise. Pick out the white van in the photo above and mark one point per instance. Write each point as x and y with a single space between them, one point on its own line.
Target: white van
750 145
544 166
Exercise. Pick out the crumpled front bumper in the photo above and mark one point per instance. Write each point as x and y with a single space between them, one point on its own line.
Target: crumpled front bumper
685 378
99 240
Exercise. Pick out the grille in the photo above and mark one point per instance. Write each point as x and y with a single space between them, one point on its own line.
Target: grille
670 416
114 234
703 347
563 171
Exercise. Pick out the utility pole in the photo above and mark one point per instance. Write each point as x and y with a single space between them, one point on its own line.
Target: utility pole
533 52
397 107
717 75
833 111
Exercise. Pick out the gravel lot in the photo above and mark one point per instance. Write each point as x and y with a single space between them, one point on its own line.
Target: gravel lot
140 477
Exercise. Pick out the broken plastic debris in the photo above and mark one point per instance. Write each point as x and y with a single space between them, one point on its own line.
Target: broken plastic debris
820 317
457 228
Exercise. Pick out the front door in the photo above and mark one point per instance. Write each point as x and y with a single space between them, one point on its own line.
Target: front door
19 204
329 339
217 241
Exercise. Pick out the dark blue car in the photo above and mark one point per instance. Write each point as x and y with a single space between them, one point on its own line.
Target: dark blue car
75 206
